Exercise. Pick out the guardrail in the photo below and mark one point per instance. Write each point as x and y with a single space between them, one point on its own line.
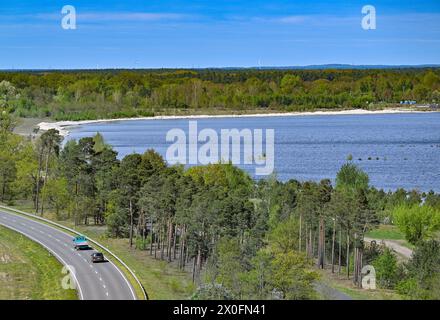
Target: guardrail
80 234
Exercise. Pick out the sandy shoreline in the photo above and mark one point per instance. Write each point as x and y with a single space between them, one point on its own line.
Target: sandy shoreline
63 126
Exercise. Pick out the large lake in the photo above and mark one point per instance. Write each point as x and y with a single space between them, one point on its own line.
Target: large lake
404 149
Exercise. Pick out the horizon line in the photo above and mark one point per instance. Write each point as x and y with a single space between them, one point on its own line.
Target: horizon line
286 67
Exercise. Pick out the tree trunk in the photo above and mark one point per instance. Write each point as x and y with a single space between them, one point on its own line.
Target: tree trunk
162 242
340 250
321 243
306 240
174 241
184 249
131 224
361 255
181 247
355 272
45 176
194 271
156 245
355 261
348 255
333 245
37 193
151 238
170 239
199 263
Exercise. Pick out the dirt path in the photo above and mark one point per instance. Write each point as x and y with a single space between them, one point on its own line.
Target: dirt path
395 245
329 293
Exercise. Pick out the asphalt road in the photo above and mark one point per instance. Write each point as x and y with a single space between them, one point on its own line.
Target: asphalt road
95 281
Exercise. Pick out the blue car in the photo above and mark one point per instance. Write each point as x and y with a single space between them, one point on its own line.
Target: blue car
80 243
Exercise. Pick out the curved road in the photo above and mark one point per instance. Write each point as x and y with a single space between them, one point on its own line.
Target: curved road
95 281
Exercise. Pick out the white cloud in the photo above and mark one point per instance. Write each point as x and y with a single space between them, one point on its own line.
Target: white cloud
107 16
128 16
293 19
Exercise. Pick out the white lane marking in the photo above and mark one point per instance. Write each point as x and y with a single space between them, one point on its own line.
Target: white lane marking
96 272
100 279
55 254
126 281
32 228
106 294
104 286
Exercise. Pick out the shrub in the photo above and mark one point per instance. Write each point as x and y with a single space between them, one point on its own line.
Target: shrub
386 269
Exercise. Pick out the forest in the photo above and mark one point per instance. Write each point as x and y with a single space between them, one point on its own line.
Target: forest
88 95
238 238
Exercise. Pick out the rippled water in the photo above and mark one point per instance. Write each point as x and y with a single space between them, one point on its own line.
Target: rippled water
313 147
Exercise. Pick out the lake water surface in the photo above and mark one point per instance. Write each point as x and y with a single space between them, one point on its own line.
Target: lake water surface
404 148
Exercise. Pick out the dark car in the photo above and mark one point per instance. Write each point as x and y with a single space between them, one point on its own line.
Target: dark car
97 257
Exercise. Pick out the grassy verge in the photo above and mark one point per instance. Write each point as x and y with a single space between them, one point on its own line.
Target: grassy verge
389 232
160 279
29 271
346 286
386 232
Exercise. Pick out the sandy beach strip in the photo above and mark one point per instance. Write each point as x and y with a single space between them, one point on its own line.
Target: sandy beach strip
64 126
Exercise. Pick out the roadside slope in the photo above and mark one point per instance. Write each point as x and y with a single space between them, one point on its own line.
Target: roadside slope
29 271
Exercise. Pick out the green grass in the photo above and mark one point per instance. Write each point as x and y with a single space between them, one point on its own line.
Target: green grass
29 271
386 232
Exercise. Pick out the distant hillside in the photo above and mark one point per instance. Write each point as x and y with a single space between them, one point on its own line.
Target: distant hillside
348 66
97 94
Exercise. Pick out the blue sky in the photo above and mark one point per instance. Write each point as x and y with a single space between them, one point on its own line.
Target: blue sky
155 34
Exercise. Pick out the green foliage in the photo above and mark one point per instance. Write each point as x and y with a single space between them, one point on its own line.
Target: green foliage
422 280
90 95
350 178
291 274
417 222
230 266
386 269
55 191
284 237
